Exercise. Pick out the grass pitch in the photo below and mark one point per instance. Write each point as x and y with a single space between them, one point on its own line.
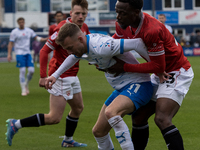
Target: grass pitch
95 90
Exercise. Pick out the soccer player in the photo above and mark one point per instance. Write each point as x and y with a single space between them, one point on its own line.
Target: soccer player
166 55
162 18
132 90
20 39
67 89
59 16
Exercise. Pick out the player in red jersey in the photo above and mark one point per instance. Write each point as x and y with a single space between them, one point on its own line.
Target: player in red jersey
165 56
66 90
59 16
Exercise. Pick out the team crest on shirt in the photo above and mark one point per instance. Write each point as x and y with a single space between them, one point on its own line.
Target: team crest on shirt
53 36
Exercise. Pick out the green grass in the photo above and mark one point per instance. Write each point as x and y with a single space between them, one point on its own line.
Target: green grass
95 90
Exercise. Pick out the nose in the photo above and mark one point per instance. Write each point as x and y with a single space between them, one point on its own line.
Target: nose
80 15
118 16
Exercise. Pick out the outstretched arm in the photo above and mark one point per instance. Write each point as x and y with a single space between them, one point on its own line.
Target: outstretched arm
67 64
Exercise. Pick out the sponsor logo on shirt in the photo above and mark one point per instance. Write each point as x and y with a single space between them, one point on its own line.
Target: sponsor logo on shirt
53 36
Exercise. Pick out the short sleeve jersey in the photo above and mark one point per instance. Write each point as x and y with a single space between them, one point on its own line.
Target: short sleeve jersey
159 41
101 49
59 53
21 39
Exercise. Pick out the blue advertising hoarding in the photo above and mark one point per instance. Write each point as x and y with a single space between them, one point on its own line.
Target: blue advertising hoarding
171 16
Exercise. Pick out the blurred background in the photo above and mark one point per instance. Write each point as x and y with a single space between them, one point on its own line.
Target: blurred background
182 15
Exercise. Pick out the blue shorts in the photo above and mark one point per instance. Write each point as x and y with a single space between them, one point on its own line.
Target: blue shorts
24 61
139 93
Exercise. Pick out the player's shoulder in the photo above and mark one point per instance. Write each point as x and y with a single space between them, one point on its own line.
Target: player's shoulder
15 30
57 28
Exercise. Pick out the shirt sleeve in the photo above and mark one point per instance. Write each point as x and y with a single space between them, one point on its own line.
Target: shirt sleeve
12 36
67 64
33 34
153 41
44 60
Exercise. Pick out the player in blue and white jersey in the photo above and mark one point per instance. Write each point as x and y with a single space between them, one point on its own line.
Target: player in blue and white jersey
132 90
20 39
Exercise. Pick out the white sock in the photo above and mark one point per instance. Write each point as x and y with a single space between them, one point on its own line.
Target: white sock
105 142
23 87
121 132
18 124
68 138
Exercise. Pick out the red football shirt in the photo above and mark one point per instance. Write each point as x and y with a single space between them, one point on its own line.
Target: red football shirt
165 53
51 28
59 54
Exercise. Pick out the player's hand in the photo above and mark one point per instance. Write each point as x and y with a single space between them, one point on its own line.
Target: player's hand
117 68
9 58
163 76
49 82
42 82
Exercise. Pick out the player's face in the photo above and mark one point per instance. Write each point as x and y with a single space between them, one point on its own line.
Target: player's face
21 24
78 15
59 17
74 46
162 19
126 15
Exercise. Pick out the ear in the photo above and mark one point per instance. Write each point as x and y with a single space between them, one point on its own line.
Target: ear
80 38
70 13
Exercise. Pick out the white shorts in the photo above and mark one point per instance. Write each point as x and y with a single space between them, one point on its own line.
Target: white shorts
66 87
175 88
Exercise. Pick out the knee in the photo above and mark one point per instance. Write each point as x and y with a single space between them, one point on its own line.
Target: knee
98 133
31 70
162 121
109 113
77 110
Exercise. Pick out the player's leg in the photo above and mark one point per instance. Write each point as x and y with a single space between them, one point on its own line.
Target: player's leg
121 106
31 71
72 88
165 110
140 126
76 105
101 131
131 98
22 80
57 107
21 64
170 96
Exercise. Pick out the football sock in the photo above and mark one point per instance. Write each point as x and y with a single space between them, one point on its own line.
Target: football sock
29 74
140 136
33 121
173 138
105 142
71 124
22 72
121 132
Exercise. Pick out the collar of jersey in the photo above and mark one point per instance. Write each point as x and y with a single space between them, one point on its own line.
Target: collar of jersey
88 39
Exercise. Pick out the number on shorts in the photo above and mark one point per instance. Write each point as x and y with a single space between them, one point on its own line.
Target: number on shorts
137 87
171 79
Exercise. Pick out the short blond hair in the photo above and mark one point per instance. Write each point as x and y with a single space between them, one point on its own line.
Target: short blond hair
67 30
